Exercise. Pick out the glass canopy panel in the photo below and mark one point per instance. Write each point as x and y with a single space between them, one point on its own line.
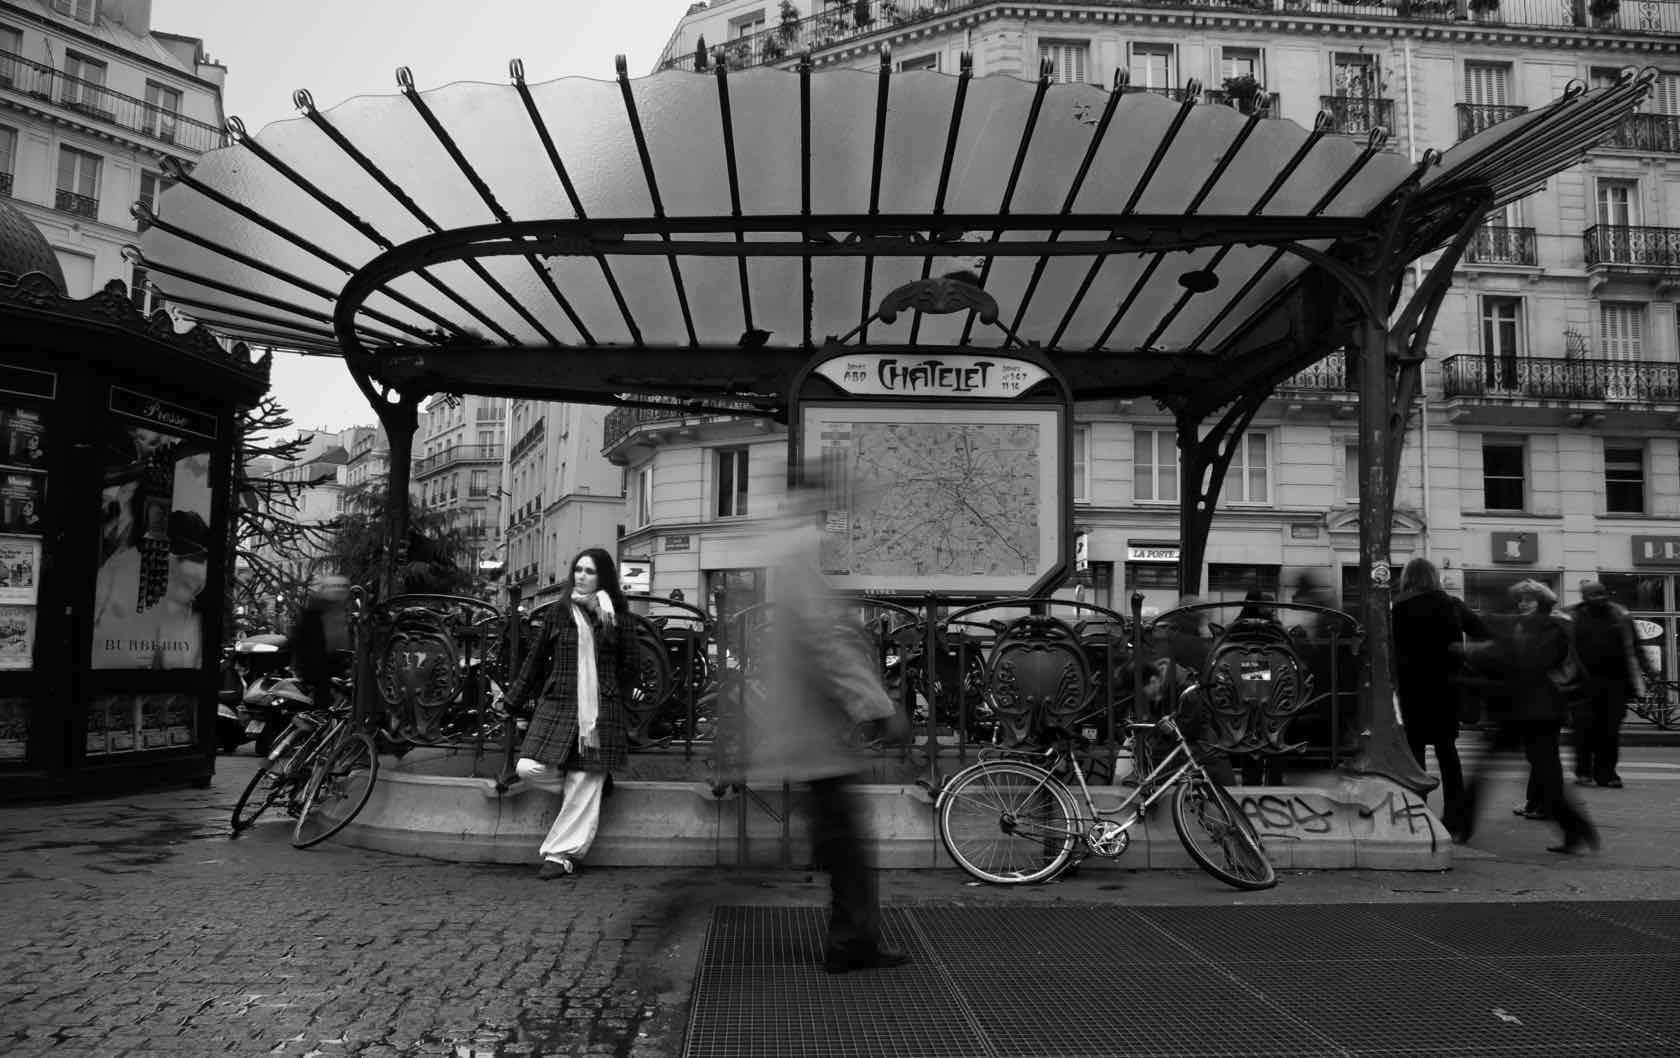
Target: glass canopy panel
506 299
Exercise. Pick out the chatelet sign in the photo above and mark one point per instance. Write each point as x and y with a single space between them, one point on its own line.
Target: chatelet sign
956 375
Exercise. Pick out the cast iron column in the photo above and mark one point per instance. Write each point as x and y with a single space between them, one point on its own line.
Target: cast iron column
400 419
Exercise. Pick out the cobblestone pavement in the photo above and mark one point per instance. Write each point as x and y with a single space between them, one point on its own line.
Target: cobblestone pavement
136 926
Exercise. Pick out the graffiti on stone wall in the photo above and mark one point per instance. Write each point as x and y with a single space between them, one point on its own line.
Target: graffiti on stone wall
1286 815
1301 815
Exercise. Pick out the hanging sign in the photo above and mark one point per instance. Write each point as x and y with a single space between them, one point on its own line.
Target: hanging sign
1152 553
1656 550
1516 547
956 375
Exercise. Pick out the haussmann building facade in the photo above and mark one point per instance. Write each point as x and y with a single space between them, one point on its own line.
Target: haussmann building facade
1548 440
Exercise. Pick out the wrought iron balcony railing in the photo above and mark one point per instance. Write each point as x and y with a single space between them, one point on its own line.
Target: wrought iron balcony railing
1649 133
45 84
1620 245
1498 244
458 454
80 205
5 185
1479 117
621 422
1264 102
1357 115
841 24
1329 375
1554 378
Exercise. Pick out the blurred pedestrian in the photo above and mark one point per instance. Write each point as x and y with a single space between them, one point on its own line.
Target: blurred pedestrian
1428 623
1538 654
320 638
581 669
819 683
1607 644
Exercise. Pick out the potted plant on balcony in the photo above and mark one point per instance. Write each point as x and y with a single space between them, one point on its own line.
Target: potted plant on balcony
701 56
1483 7
1603 11
788 26
862 16
1243 91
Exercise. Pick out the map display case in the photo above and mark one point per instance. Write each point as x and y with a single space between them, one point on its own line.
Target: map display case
946 474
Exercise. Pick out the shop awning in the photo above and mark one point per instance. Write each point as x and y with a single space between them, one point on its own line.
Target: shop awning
701 234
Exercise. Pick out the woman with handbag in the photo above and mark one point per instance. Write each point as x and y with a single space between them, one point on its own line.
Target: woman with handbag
581 669
1428 623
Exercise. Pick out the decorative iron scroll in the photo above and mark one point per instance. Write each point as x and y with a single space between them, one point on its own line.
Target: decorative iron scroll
427 654
1038 677
1256 684
938 297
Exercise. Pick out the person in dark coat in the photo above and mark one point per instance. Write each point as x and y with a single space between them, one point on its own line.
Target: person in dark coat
320 639
1607 644
1536 654
581 669
1427 624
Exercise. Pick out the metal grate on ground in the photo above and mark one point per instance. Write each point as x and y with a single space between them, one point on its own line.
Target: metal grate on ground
1358 981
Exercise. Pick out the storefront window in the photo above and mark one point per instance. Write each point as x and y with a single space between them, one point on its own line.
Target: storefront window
1489 590
1640 592
1229 583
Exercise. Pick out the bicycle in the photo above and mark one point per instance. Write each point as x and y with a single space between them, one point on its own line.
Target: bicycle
322 759
1660 704
1010 819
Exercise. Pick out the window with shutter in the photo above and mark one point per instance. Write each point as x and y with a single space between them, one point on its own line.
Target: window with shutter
1486 83
1616 200
1068 60
1621 326
1665 96
1152 66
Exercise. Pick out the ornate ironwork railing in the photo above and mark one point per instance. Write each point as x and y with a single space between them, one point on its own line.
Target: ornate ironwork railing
80 205
1555 378
1265 102
41 82
1642 247
1498 244
1329 375
621 422
1357 115
458 454
1479 117
1651 133
840 23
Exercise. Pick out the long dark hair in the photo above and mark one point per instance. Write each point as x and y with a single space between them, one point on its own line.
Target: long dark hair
606 570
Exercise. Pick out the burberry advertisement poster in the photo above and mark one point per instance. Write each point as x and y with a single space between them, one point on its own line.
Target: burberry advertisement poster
155 539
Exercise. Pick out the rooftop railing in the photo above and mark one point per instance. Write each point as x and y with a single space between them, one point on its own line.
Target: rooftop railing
1357 115
621 422
92 100
841 23
1329 375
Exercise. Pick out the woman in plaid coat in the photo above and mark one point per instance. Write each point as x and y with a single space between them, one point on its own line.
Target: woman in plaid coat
580 670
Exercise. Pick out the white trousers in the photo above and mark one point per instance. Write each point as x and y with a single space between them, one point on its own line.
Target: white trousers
580 807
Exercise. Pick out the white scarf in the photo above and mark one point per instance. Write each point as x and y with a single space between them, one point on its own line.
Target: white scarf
588 680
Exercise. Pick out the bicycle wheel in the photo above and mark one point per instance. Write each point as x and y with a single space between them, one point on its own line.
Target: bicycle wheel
1218 836
1008 823
275 773
339 785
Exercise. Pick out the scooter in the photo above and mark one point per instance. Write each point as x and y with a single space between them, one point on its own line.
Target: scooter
271 695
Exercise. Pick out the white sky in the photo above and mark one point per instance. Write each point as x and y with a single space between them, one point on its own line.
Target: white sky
343 48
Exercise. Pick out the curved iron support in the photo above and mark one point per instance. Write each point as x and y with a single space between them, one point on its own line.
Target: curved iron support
1202 463
400 418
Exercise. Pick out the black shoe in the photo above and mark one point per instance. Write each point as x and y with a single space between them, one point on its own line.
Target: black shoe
878 959
560 868
1584 780
1575 843
1614 784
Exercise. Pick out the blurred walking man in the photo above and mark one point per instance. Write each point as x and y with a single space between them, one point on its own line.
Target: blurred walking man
1607 644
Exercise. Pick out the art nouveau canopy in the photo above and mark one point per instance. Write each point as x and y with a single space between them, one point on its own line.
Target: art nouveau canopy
699 235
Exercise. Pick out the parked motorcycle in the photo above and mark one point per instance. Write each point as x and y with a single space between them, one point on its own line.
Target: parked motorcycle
271 695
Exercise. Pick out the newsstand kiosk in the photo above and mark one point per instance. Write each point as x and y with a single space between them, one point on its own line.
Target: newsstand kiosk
117 444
